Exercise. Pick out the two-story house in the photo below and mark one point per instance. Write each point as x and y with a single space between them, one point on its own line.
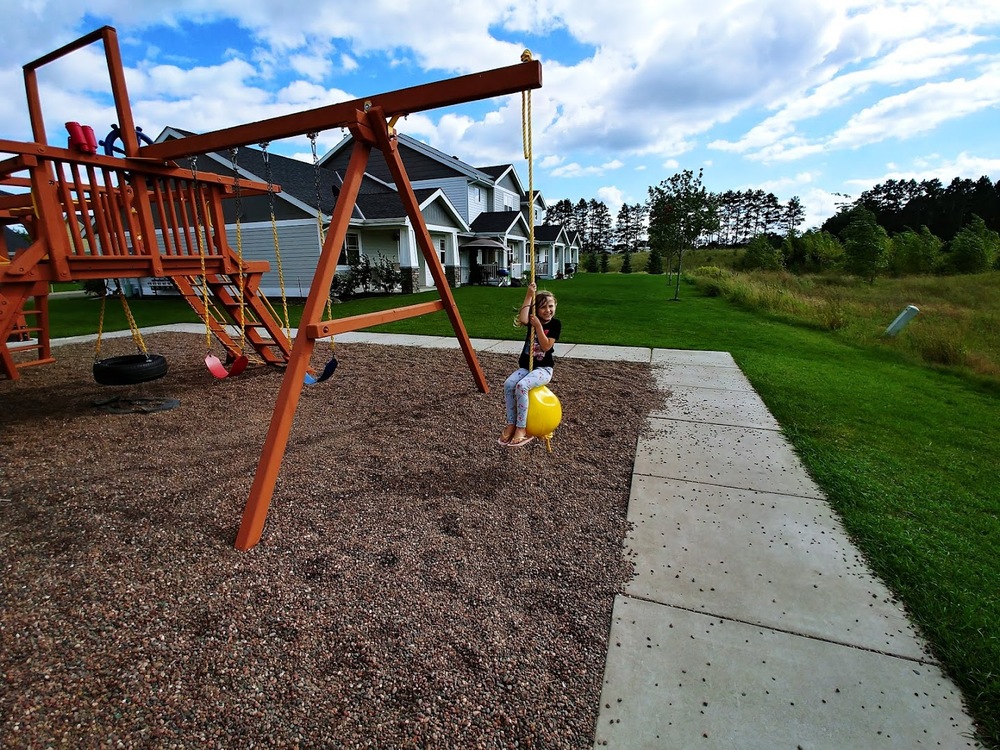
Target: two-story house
477 217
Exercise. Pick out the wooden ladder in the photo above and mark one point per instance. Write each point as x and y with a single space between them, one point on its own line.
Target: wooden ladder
263 331
24 332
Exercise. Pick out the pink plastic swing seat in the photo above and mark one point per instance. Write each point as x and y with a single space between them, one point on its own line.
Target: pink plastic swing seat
215 366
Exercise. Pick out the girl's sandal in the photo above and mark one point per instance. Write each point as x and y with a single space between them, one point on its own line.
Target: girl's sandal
521 441
504 438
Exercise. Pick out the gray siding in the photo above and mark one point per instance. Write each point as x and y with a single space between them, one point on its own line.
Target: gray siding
380 242
457 191
299 247
507 183
507 196
477 207
505 200
436 214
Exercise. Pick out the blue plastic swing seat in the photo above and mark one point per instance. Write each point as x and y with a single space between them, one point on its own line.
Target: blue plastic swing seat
325 375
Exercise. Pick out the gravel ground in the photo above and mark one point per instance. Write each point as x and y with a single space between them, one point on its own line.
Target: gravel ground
417 585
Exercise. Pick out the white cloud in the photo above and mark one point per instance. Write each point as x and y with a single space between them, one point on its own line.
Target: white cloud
919 110
577 170
612 197
819 205
798 87
932 167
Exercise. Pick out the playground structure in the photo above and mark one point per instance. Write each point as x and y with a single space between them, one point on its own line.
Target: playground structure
93 216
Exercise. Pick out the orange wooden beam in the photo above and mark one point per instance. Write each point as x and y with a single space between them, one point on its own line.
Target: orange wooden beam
498 82
366 320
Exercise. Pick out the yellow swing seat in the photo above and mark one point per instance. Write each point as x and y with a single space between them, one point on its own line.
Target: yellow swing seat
544 412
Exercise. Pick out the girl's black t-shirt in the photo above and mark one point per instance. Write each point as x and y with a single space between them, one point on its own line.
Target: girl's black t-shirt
552 330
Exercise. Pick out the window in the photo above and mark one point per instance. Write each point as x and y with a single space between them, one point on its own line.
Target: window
351 253
441 250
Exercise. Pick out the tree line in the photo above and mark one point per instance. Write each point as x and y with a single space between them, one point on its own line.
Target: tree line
741 214
898 227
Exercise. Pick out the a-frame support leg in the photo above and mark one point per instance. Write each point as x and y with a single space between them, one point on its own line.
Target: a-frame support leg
370 130
255 512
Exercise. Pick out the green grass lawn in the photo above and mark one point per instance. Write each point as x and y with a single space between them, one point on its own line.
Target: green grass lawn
907 453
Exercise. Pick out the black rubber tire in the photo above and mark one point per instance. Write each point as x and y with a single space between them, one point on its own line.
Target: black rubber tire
130 369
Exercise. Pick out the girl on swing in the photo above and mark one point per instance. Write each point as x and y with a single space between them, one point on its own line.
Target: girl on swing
534 367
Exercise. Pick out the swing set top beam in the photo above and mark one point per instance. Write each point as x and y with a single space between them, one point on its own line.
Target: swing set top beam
477 86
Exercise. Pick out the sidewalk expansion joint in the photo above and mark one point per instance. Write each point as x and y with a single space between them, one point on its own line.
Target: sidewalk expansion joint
821 498
929 660
717 424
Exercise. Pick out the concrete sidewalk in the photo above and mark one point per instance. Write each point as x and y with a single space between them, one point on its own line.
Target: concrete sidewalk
752 622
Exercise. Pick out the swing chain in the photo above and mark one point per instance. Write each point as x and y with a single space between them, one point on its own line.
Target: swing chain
274 233
133 327
201 251
241 281
319 219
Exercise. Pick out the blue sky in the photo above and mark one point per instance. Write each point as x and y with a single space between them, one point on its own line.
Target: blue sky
810 98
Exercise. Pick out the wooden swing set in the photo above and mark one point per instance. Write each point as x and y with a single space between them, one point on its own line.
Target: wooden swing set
139 214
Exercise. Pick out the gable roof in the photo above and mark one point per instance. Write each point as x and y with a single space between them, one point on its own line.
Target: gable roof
499 171
387 206
551 233
434 165
297 179
496 222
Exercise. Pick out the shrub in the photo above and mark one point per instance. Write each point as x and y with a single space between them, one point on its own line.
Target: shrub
386 275
834 313
974 248
364 277
341 287
761 255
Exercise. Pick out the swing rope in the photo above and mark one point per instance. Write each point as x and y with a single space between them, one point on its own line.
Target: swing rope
546 397
201 255
274 233
529 155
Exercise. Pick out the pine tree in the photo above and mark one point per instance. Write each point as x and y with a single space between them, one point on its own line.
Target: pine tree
655 263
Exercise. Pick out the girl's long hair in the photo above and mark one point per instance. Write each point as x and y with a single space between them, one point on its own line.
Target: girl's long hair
541 296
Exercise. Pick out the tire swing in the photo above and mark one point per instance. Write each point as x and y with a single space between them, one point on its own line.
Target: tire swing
544 409
129 369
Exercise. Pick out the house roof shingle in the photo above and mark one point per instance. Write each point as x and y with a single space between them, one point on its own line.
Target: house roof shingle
495 221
